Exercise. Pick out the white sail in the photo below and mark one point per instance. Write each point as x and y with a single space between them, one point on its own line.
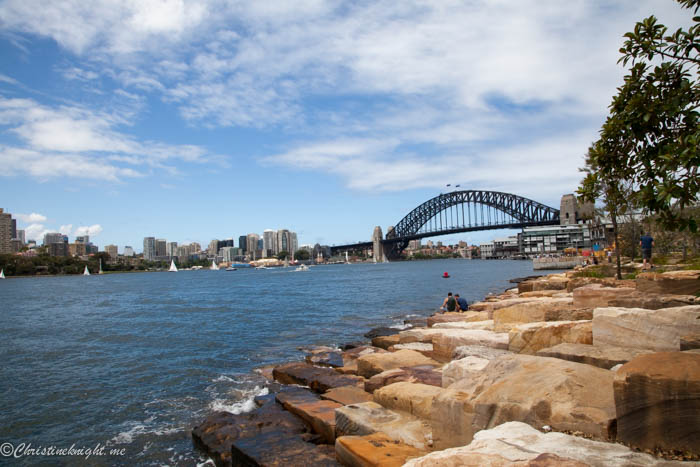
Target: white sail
2 274
214 267
173 268
101 267
86 272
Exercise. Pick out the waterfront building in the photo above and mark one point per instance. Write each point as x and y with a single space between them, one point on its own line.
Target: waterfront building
213 248
161 244
21 235
14 228
128 251
294 241
243 243
252 246
53 237
82 239
5 232
197 248
77 249
183 253
149 248
554 238
283 240
58 249
228 254
112 251
92 249
270 247
171 249
16 245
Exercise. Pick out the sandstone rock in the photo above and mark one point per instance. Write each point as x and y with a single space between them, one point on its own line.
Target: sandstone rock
672 282
602 356
384 342
690 341
424 335
375 450
540 293
346 395
490 307
489 353
462 368
530 312
658 330
416 321
651 301
551 282
595 295
370 365
576 282
657 401
424 348
485 325
349 368
516 444
536 390
531 337
332 359
446 342
381 331
317 413
413 398
217 433
272 448
350 357
468 316
417 374
318 379
370 417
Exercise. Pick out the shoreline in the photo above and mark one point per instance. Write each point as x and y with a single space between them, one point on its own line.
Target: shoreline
409 376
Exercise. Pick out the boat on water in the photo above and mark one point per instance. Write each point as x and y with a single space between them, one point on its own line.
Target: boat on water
86 272
231 269
173 268
302 267
213 266
2 274
261 267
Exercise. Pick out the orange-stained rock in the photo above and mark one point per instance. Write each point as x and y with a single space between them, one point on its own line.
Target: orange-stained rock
672 282
657 401
317 413
425 374
530 312
414 398
576 282
346 395
530 337
370 365
550 282
652 301
602 356
375 450
384 342
318 379
447 341
448 317
595 295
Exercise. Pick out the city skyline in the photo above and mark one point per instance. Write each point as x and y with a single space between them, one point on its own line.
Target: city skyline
195 121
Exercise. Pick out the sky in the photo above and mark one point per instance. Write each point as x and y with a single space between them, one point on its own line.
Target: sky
213 119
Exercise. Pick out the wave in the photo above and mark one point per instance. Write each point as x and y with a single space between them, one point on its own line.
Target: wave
246 404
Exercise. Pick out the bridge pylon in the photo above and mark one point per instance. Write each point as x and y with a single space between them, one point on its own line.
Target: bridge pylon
378 248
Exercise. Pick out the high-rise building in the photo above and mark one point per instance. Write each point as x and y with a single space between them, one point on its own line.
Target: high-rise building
5 232
171 249
228 253
112 251
14 228
53 237
128 251
252 246
294 241
77 249
283 240
149 248
58 249
270 242
243 243
213 248
196 247
160 247
21 235
82 239
183 253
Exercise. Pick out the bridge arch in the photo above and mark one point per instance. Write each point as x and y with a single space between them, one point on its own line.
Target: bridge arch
465 211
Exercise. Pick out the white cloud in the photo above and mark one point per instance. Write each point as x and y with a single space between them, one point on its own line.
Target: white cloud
66 229
92 230
30 218
36 232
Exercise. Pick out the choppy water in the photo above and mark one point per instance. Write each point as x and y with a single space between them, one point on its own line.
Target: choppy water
134 361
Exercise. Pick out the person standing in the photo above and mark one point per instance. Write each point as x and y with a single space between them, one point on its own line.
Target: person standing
646 242
450 304
461 303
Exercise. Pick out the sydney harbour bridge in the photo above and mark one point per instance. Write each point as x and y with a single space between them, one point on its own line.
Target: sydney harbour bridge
456 212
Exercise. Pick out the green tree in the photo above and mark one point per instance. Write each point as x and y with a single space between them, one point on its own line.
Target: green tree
654 120
302 255
282 255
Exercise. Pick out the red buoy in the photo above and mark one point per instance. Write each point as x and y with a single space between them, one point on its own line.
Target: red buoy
445 275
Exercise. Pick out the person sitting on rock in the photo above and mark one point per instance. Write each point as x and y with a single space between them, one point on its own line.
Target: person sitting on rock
450 304
462 304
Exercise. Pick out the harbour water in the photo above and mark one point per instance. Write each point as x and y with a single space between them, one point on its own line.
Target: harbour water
134 361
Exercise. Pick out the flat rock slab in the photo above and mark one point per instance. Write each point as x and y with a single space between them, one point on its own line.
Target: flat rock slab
658 330
346 395
318 414
418 335
672 282
602 356
463 368
425 374
317 378
219 430
596 295
657 400
370 417
448 317
576 282
485 325
489 353
413 398
550 282
422 347
652 301
531 337
375 450
690 341
332 359
535 390
274 449
373 364
384 342
447 340
516 444
491 306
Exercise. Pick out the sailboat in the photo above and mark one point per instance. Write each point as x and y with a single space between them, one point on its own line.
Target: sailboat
214 267
86 272
2 273
173 268
101 272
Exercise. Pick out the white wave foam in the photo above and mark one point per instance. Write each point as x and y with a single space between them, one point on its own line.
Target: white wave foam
246 404
208 462
401 326
127 437
223 378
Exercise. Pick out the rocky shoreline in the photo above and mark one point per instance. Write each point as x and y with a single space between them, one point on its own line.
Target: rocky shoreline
562 370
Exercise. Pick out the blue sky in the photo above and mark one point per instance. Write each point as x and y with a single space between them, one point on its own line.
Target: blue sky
213 119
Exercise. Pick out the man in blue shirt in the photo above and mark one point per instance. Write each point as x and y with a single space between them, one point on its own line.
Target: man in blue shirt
463 306
646 242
